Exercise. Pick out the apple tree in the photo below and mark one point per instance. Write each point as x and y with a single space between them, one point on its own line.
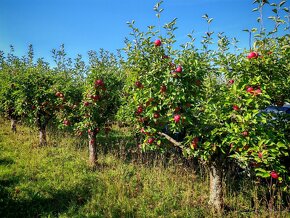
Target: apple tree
10 67
234 124
214 97
163 85
100 99
36 100
68 88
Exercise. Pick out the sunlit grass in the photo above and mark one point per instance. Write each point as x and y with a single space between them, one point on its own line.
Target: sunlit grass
55 181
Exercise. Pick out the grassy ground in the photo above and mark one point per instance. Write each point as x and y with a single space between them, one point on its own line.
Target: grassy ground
54 181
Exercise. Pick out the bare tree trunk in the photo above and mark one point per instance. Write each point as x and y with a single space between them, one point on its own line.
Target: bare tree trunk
216 187
12 118
92 149
42 136
13 125
41 123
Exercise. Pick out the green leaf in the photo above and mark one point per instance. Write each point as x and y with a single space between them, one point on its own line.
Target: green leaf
262 173
254 30
272 18
282 3
281 145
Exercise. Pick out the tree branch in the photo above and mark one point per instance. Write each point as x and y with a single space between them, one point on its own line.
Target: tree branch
173 141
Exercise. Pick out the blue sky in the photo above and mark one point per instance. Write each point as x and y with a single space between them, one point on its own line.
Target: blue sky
84 25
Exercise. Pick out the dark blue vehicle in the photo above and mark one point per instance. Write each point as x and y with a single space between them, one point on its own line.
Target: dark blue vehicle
280 114
276 109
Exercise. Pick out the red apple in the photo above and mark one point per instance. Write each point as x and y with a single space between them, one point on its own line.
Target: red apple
236 107
157 42
57 94
163 88
86 103
151 140
231 81
274 174
156 115
165 57
138 84
96 130
260 155
177 118
178 69
61 95
252 54
258 92
142 130
250 89
139 109
245 133
66 122
194 143
95 97
99 82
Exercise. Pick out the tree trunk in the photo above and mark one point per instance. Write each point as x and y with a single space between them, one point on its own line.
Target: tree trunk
92 149
42 136
12 118
216 187
41 122
13 125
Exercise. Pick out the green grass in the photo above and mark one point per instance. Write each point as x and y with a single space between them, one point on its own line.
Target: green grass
55 181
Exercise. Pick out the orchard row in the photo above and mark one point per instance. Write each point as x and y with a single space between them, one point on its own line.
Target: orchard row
208 103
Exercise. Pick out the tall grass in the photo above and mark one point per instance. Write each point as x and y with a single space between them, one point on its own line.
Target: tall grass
55 181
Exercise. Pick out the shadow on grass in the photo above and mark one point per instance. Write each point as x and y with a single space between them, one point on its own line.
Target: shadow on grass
6 161
13 204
